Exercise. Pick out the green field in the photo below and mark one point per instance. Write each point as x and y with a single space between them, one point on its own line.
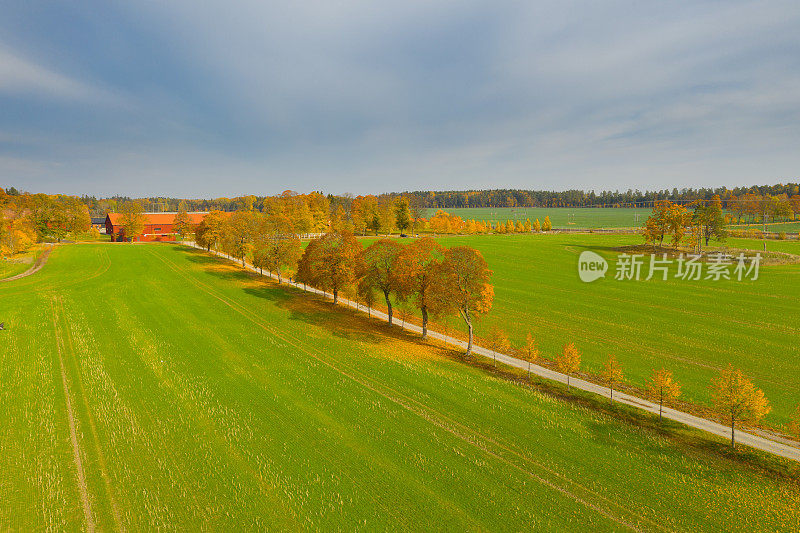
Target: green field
19 263
789 227
197 397
693 328
561 217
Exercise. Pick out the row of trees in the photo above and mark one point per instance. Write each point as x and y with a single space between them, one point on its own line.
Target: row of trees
26 219
578 198
435 280
756 208
748 203
735 397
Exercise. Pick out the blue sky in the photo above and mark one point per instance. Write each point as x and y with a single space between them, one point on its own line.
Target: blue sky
200 99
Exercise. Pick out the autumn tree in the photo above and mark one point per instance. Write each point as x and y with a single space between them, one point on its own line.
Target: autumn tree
656 226
662 388
275 246
537 226
238 234
16 234
738 399
678 218
330 262
209 232
182 225
415 268
377 270
530 352
132 219
498 342
319 209
526 227
385 215
402 213
612 373
569 360
461 285
547 225
708 221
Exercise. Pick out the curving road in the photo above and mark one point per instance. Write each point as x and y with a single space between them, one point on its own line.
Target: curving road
763 443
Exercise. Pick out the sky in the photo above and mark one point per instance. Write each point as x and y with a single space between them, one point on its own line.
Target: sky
209 99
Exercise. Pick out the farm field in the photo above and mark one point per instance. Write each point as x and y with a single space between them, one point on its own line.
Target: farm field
693 328
19 263
792 227
155 387
561 217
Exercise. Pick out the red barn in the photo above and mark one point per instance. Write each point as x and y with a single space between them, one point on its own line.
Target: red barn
157 226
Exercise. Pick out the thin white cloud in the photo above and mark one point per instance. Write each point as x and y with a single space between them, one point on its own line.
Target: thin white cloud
22 77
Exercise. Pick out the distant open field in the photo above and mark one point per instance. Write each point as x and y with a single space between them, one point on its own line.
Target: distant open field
788 227
155 387
693 328
561 217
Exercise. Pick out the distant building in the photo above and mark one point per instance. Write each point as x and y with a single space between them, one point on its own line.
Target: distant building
157 226
99 223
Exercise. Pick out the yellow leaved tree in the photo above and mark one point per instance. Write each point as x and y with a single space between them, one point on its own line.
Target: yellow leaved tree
738 399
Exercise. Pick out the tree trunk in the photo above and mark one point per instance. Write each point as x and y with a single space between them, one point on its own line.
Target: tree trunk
529 370
424 322
279 276
733 429
388 306
469 344
335 296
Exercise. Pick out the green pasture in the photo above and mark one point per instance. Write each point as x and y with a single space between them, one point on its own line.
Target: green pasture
561 217
204 398
694 328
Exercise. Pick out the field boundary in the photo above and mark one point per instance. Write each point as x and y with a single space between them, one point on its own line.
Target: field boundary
709 426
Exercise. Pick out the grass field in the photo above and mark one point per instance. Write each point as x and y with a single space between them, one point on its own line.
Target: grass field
18 263
692 328
789 227
561 217
154 387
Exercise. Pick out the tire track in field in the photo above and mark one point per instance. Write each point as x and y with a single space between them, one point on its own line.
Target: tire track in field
101 459
76 450
457 429
379 502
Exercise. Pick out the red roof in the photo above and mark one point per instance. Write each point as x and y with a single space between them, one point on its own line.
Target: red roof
158 218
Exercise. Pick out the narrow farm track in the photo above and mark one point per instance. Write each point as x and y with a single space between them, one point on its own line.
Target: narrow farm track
498 450
98 451
709 426
40 262
79 470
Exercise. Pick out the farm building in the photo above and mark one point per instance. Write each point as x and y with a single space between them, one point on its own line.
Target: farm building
99 223
157 226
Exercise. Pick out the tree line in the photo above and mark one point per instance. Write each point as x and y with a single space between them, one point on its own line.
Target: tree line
26 219
730 197
580 198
